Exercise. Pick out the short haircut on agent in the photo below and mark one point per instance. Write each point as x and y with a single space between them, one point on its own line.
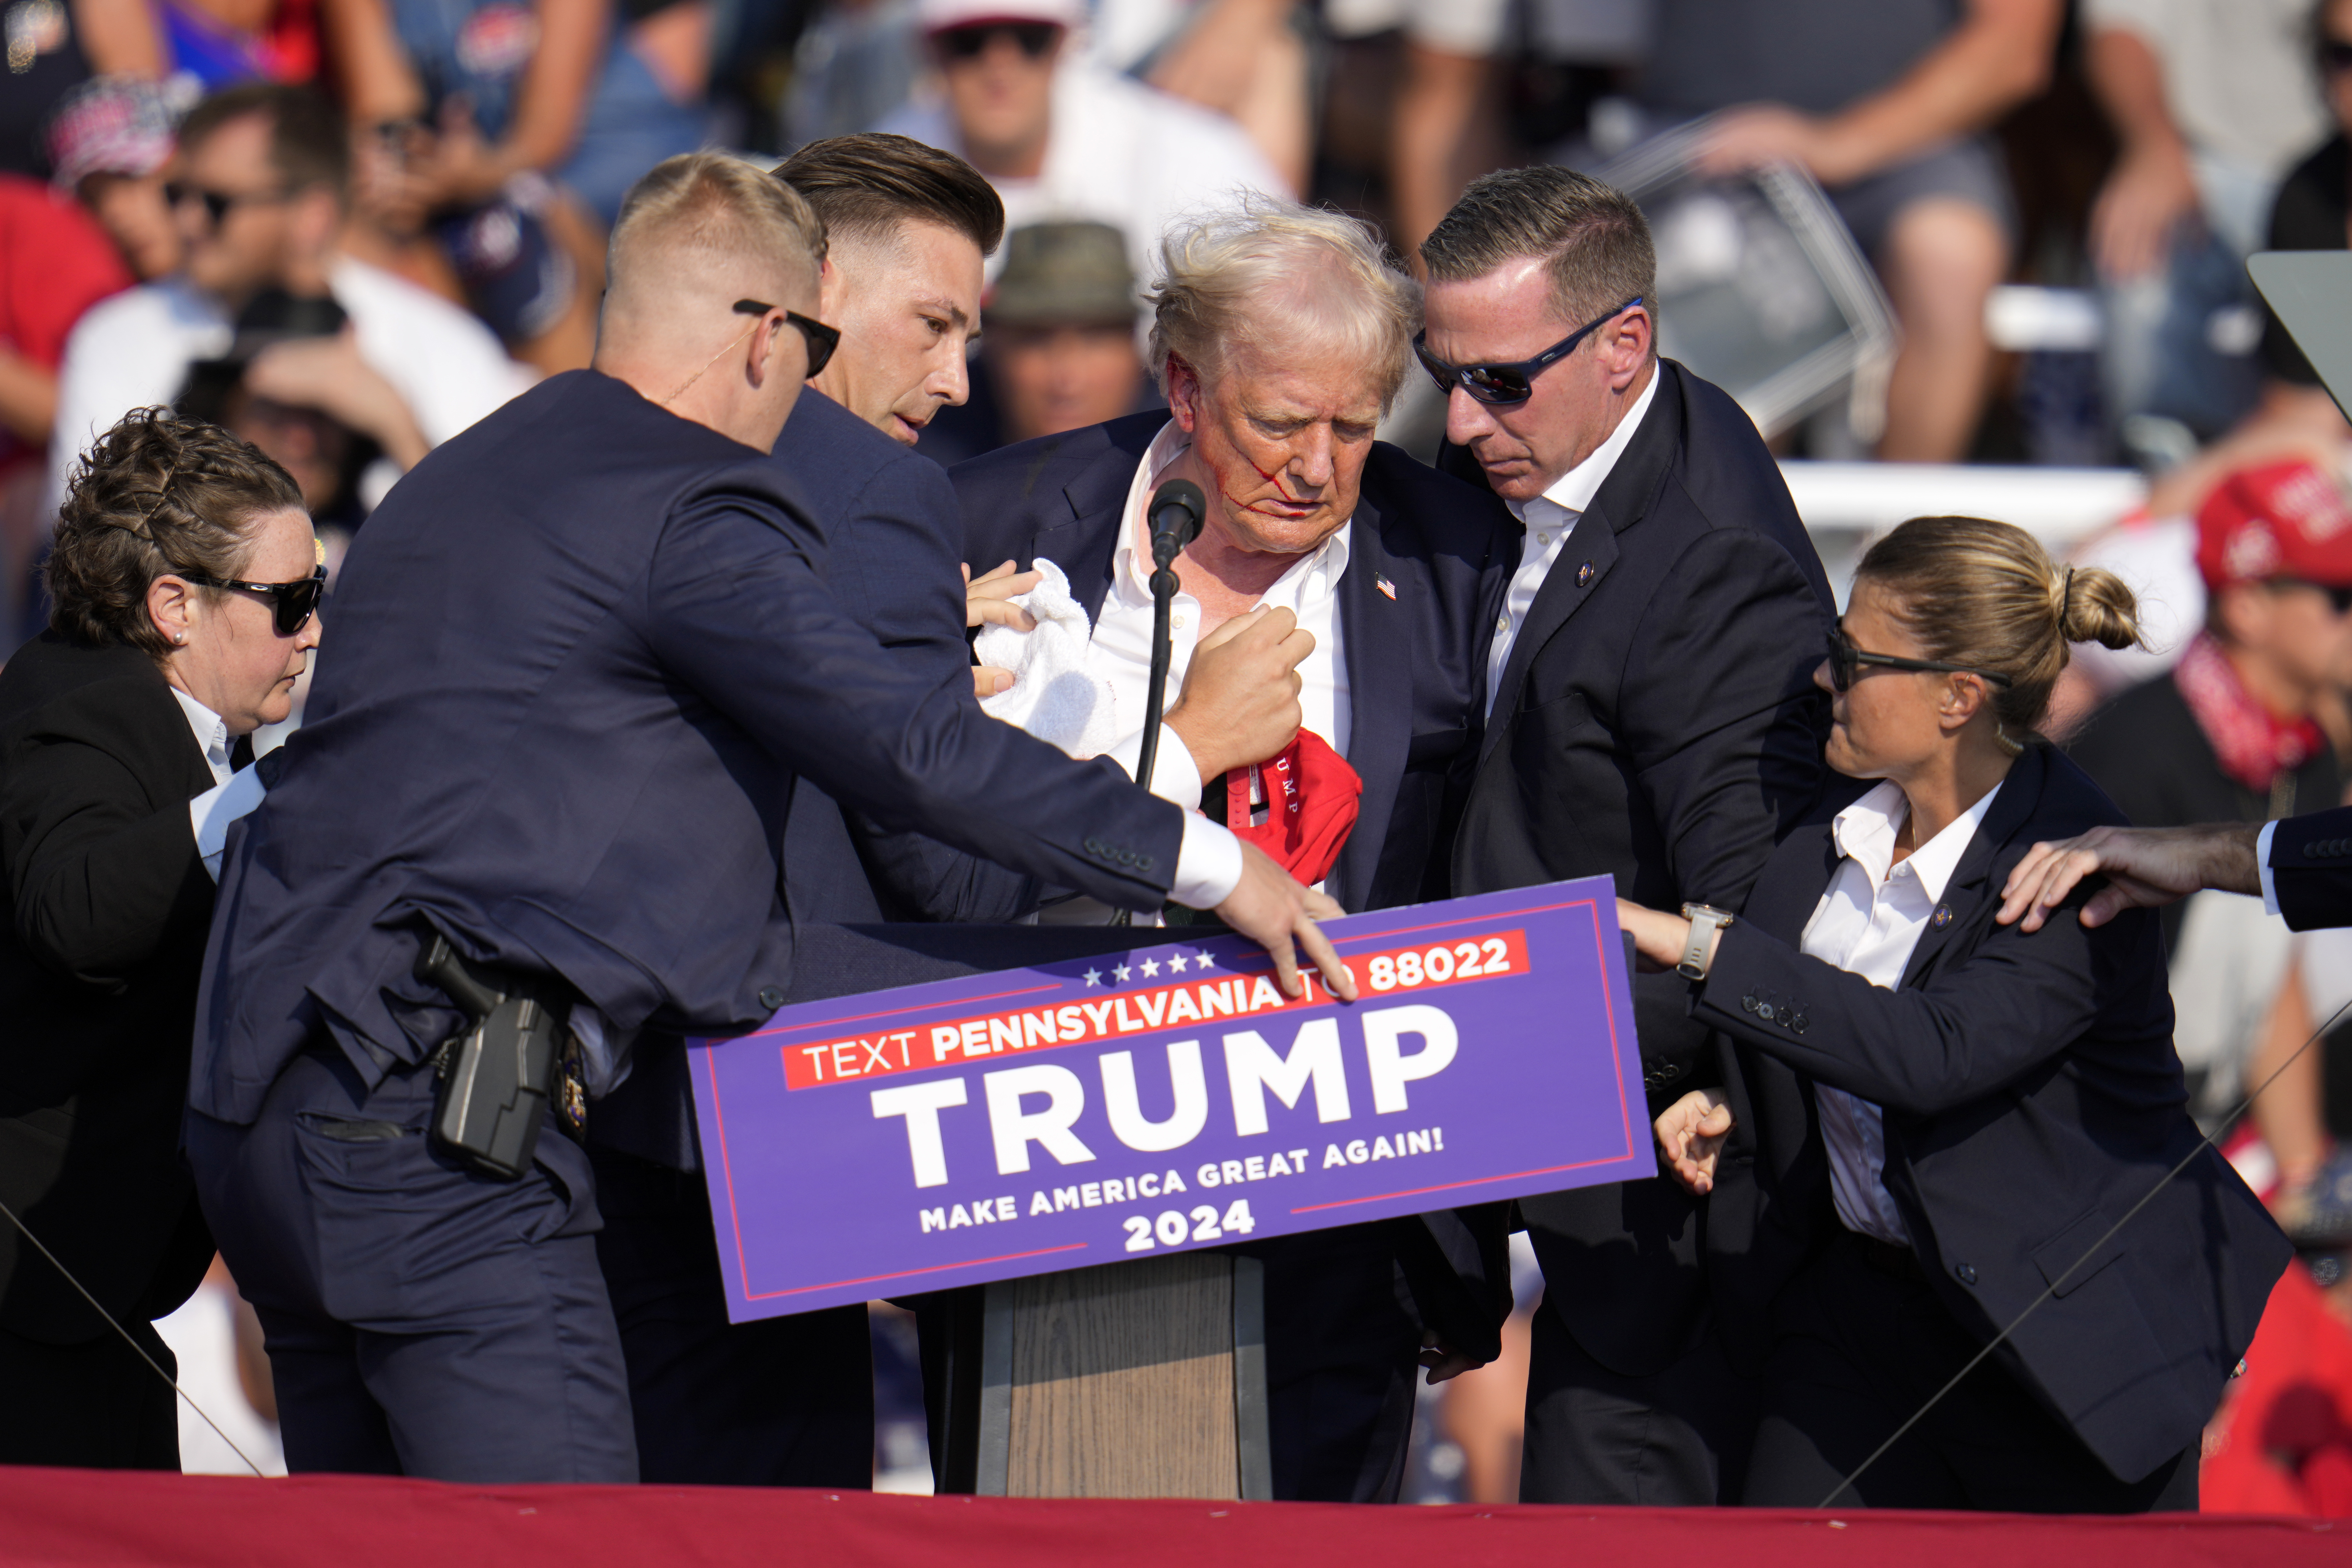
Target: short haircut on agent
713 209
309 139
1265 273
866 186
1592 238
156 495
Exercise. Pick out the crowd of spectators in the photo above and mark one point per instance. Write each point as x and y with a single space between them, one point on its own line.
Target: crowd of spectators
347 229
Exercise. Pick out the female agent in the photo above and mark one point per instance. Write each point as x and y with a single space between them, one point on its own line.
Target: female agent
185 578
1987 1104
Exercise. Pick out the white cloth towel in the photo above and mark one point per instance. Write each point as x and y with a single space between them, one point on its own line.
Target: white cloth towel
1054 696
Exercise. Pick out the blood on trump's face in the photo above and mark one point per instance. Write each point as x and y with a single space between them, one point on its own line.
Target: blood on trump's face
1283 444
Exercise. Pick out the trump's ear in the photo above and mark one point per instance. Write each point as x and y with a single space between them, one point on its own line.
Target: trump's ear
1184 393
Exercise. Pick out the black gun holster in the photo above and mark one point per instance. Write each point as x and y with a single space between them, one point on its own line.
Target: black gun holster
497 1073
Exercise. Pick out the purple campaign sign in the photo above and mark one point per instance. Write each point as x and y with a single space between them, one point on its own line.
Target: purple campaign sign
1087 1111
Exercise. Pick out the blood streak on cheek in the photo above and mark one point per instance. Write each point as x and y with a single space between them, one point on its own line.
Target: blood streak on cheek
1273 478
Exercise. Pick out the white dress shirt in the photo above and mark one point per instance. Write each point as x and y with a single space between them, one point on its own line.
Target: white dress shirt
2262 864
1549 520
233 794
1118 653
1867 923
1120 650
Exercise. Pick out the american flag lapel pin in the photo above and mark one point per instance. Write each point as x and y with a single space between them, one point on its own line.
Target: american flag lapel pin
1385 586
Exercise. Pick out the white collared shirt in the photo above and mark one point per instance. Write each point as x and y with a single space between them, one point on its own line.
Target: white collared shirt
233 794
1549 520
1120 650
1867 923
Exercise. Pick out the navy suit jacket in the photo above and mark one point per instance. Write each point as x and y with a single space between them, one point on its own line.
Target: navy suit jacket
1416 661
580 654
2033 1099
893 541
2311 868
1657 723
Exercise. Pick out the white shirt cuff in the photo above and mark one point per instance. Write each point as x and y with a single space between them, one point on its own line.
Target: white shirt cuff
210 813
1174 775
1209 867
2262 863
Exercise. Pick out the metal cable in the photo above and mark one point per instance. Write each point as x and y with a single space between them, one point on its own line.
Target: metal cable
2051 1289
134 1344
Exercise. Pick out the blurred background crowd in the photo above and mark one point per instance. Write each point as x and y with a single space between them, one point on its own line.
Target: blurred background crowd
1980 256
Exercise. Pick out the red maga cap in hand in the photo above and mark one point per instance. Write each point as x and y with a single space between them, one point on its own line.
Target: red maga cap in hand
1313 797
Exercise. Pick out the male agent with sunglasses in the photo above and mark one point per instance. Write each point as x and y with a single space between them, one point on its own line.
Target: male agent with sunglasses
790 1401
1650 715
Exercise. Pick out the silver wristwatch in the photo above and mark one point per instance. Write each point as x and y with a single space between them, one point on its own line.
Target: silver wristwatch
1706 923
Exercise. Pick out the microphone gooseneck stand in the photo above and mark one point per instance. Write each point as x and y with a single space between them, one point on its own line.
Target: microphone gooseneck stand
1177 509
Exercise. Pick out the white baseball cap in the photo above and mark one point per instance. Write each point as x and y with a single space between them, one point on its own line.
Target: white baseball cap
939 15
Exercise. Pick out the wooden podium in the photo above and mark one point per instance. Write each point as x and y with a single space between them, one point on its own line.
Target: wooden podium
1128 1380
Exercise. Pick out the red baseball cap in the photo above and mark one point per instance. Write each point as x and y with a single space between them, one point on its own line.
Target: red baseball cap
2283 520
1314 795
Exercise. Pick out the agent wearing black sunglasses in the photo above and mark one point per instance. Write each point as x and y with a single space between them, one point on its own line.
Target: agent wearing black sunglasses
1650 717
1846 662
122 728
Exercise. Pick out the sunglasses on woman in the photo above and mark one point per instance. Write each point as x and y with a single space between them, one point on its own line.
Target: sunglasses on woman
1501 385
821 340
1846 661
293 601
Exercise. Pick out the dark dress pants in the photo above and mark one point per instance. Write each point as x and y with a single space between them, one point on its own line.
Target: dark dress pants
778 1402
1676 1438
94 1405
421 1319
1862 1343
1342 1349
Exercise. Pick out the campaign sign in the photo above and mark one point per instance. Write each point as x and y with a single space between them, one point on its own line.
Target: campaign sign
1095 1109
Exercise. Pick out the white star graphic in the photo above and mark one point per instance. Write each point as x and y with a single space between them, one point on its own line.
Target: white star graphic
1176 963
1093 976
1119 973
1204 961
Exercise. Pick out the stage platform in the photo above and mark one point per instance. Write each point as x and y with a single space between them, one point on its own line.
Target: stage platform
87 1517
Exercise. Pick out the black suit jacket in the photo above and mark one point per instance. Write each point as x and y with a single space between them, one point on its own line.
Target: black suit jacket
1657 723
1416 664
2032 1099
2311 869
1416 661
99 965
637 658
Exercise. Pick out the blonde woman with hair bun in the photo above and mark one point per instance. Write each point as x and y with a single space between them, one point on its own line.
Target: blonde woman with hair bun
1961 1118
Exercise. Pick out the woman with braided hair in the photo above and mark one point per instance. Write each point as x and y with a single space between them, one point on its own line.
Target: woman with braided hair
185 582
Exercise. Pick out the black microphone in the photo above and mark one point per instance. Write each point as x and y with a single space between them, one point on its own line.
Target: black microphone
1174 516
1176 511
